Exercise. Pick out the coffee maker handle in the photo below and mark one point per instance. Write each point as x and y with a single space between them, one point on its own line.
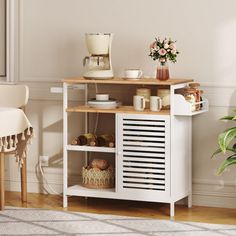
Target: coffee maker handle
85 60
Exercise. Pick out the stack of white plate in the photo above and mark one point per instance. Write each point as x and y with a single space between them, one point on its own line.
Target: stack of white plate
103 104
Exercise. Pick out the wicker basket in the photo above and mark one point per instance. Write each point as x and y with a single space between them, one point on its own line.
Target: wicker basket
98 178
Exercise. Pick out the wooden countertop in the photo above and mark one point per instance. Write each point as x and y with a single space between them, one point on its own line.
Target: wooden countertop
122 109
143 81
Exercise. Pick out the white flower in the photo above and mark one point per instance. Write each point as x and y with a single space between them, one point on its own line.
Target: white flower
166 45
173 46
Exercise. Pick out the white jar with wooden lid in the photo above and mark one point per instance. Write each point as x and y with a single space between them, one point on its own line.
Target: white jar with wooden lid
164 94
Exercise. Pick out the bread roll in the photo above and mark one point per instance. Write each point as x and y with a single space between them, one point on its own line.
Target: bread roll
99 163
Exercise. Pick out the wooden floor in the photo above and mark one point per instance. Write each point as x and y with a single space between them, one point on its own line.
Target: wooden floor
126 208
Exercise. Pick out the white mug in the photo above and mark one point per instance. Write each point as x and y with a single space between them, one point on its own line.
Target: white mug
133 73
155 103
139 103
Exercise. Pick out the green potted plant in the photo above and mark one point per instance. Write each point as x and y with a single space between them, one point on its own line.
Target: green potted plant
227 145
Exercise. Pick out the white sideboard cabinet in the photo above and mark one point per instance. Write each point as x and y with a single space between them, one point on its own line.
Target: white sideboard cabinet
153 151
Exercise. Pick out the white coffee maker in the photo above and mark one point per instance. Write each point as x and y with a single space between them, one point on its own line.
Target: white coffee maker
98 64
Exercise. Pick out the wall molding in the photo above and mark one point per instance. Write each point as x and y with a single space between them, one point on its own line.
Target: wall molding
218 85
203 194
11 41
218 96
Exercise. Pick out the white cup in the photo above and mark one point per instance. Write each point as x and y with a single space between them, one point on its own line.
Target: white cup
102 97
139 103
155 103
133 73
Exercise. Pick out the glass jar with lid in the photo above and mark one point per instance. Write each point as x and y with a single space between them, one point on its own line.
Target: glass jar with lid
191 97
194 88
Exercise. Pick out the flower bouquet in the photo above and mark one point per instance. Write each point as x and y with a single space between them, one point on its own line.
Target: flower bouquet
163 50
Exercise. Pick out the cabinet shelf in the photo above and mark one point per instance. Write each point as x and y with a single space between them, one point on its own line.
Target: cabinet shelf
79 190
90 149
122 109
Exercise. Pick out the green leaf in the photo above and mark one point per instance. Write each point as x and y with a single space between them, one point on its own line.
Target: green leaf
227 118
225 138
228 162
218 151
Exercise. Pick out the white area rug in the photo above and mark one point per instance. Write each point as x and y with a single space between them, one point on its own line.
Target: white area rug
26 221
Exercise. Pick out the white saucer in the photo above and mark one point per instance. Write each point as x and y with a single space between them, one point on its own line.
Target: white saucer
103 104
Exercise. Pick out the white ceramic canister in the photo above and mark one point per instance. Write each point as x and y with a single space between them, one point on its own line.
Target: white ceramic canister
146 93
155 103
164 94
139 103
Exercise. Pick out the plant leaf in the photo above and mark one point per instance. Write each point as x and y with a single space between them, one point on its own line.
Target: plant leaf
228 162
225 138
227 118
218 151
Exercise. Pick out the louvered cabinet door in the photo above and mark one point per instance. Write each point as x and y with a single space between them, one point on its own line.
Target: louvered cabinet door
143 156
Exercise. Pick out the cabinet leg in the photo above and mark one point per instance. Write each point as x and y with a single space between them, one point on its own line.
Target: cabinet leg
65 201
2 188
190 202
172 209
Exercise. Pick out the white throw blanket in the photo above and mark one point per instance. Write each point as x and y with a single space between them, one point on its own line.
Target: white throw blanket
15 131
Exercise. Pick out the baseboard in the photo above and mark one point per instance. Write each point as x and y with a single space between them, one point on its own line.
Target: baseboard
203 194
214 194
203 199
38 185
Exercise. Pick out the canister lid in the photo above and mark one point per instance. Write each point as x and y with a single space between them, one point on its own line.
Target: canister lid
143 91
163 91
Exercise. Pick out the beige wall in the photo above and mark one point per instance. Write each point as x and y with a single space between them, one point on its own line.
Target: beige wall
2 38
52 47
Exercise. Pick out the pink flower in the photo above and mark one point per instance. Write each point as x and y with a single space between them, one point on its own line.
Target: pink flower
162 52
153 45
173 51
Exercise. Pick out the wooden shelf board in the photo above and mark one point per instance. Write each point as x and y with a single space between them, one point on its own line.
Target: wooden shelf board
90 149
143 81
122 109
